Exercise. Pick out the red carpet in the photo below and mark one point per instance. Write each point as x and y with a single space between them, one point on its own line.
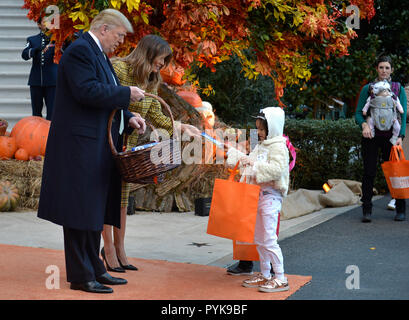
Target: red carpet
23 276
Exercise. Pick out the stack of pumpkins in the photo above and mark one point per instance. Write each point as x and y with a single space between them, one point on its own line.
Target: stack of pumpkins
26 141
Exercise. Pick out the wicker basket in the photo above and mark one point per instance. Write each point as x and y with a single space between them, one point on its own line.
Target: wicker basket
137 166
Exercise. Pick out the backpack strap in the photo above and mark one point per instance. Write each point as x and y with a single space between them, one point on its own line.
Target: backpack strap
292 151
370 91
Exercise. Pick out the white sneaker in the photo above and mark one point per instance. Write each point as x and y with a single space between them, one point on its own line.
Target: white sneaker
392 204
274 285
256 281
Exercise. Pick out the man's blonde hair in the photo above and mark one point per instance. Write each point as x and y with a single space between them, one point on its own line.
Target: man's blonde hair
112 18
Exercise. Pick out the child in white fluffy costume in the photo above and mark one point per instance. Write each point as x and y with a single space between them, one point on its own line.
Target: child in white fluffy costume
267 166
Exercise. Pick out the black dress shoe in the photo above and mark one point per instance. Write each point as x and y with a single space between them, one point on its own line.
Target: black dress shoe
366 217
400 216
128 266
106 278
116 269
91 286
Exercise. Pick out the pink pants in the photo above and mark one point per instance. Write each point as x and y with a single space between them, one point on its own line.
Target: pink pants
265 235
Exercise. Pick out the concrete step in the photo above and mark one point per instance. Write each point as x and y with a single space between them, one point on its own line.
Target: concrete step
16 19
12 7
15 3
15 92
13 78
17 105
18 30
15 66
8 41
11 53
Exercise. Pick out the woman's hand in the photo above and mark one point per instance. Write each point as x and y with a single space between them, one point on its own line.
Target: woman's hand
137 122
399 142
366 131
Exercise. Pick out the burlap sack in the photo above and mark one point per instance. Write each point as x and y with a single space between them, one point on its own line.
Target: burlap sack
299 203
339 196
354 186
303 201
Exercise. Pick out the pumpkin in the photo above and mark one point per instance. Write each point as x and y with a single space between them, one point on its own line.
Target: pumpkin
8 196
3 127
31 134
172 77
21 154
190 97
8 147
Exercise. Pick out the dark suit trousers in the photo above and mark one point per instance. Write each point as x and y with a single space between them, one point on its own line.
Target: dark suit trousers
82 260
370 152
38 96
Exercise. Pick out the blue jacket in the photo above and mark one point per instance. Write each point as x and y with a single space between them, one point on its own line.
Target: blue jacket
81 186
44 70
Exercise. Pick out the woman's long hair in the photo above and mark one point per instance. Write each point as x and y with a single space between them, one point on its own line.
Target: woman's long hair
141 60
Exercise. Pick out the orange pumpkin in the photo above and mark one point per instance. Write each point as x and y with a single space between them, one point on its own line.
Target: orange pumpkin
190 97
21 154
8 147
172 77
31 134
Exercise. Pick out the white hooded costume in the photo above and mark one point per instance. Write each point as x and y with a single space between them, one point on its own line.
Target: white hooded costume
271 172
271 157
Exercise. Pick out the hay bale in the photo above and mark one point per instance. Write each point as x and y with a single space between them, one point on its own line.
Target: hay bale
26 175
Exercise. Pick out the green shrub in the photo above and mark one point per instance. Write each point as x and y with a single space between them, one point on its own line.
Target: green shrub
327 150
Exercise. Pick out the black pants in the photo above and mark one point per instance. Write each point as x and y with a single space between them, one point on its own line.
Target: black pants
248 265
82 260
38 96
370 152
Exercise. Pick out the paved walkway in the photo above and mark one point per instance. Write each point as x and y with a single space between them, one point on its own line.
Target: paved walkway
175 237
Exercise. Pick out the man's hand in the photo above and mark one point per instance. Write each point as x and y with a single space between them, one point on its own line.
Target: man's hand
47 47
366 131
137 122
137 94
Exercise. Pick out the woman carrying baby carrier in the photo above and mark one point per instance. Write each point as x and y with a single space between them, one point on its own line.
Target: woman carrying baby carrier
371 143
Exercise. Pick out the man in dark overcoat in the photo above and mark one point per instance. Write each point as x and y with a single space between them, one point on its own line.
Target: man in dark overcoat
81 187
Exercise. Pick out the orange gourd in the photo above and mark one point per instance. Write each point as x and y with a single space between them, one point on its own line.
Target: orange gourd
21 154
8 196
8 147
172 77
190 97
31 134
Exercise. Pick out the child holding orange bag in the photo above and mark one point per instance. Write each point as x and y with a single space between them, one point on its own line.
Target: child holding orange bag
268 166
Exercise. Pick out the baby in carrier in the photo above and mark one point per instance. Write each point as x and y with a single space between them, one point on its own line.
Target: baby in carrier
383 104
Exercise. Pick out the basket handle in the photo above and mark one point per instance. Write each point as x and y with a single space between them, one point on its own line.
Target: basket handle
111 117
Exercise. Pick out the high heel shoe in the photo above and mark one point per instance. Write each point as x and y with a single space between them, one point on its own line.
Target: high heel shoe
116 269
127 266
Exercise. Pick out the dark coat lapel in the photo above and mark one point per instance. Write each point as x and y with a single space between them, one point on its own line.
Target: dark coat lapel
101 58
